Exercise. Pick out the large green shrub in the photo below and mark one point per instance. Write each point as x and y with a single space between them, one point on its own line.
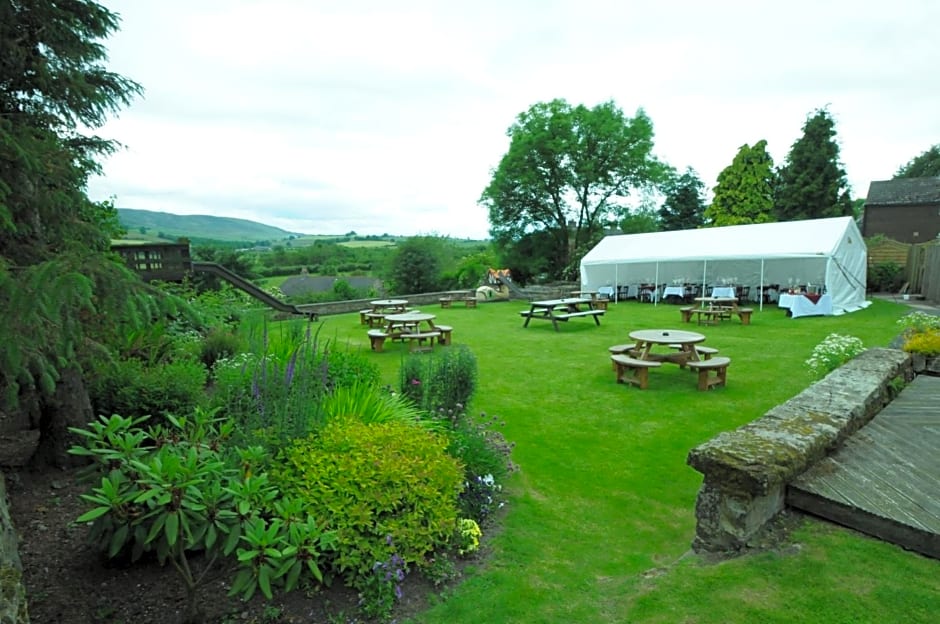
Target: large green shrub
885 277
375 485
133 388
219 343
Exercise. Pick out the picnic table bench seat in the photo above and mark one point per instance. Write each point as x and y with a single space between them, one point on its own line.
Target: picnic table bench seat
622 349
567 315
446 331
468 301
716 365
421 340
638 370
708 316
702 350
377 339
745 315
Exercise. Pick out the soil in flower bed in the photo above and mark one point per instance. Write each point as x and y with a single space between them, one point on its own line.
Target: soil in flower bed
68 581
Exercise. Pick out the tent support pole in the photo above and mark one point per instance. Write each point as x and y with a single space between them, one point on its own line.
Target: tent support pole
761 291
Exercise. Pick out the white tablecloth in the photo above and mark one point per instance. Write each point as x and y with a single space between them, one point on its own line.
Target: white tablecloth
723 291
678 291
606 291
803 306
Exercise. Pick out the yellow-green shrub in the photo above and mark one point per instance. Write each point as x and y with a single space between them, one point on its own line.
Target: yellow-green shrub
926 342
383 487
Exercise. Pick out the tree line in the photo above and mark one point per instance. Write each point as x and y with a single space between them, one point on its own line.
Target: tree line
573 174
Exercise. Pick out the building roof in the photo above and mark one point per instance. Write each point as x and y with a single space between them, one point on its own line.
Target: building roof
301 284
904 191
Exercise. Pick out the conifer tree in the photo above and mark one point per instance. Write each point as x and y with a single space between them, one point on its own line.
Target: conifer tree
812 182
61 291
684 206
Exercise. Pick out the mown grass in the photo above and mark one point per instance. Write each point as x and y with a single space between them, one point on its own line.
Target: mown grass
602 510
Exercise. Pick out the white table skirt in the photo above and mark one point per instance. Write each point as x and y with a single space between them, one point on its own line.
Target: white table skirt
723 291
803 306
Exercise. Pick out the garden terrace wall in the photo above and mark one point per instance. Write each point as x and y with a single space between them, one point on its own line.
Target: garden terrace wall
747 470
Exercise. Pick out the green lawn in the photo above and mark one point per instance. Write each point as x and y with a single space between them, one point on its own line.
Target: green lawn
601 516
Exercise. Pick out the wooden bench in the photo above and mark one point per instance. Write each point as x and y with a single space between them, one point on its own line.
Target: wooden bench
686 313
375 318
638 369
363 319
568 315
444 338
745 315
710 316
421 341
621 349
470 302
704 367
702 350
377 339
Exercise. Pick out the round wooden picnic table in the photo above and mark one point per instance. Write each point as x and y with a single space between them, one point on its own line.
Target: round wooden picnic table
379 304
409 320
646 338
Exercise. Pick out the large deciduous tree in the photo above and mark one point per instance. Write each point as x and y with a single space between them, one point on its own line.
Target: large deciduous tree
812 183
565 177
926 165
60 288
745 189
684 206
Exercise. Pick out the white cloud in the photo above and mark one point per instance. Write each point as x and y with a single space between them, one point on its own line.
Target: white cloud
326 117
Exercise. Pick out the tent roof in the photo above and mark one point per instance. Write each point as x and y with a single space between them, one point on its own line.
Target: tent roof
786 239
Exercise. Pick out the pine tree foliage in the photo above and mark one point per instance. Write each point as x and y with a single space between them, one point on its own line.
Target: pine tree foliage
812 182
745 189
926 165
62 293
684 206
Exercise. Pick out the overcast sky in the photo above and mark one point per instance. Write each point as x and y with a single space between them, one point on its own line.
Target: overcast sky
324 117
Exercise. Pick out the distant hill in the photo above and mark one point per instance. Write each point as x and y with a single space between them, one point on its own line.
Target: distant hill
162 226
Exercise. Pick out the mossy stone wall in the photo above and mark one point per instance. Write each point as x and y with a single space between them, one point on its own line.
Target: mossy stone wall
747 470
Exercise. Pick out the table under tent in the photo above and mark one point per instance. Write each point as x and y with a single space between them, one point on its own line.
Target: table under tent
827 255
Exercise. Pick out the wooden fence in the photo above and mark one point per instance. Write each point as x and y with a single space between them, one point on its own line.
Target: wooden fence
929 273
882 250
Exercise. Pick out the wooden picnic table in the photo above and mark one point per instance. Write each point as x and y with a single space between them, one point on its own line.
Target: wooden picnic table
387 306
562 310
685 341
712 310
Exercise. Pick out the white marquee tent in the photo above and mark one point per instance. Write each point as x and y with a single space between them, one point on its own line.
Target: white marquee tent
827 253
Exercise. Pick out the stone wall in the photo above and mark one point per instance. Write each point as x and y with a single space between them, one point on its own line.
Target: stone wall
747 470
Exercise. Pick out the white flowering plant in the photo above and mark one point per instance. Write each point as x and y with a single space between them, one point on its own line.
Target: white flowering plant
919 323
834 351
